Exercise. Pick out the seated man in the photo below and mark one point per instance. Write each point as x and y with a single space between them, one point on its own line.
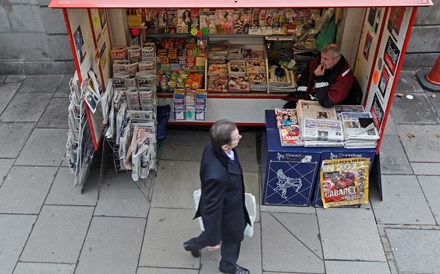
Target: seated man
327 78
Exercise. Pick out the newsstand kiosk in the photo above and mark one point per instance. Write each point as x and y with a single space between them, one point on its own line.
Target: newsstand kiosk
373 37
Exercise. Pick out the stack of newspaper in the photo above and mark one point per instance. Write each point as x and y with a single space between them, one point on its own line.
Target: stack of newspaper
322 132
319 126
359 130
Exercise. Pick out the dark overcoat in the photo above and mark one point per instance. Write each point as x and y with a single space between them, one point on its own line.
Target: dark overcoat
222 206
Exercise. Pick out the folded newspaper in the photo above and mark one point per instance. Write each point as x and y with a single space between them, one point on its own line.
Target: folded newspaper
321 130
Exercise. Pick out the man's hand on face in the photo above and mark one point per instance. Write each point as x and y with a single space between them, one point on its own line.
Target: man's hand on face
320 70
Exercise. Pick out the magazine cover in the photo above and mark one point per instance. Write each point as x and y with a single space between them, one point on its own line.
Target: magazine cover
344 181
289 136
285 117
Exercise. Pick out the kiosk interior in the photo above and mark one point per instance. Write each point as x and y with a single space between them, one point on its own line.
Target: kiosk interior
374 46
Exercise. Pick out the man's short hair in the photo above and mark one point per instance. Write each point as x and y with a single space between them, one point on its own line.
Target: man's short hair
220 132
333 49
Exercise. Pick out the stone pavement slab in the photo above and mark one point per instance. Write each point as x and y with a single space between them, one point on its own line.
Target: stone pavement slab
25 189
175 184
287 247
415 251
46 268
350 234
7 91
2 78
63 192
55 115
416 111
403 202
122 202
112 246
15 78
393 159
14 232
350 267
63 89
390 127
166 231
250 255
425 144
26 107
5 166
12 138
184 145
247 153
40 83
426 168
408 83
45 147
431 189
58 234
154 270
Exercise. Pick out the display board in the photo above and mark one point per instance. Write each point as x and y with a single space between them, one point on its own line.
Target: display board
386 50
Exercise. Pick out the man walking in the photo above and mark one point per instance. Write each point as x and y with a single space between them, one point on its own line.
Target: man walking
221 205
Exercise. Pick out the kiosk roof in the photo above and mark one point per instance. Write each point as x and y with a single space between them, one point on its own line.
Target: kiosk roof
235 3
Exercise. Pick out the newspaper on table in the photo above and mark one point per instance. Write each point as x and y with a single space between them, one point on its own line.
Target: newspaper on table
349 108
359 125
312 109
322 130
344 181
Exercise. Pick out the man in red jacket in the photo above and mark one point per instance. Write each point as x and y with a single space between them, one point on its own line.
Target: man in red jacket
327 78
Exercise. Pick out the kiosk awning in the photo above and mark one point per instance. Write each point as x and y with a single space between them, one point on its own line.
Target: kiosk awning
235 3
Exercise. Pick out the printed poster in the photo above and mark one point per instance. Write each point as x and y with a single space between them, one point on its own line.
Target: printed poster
395 20
344 182
377 112
79 45
391 55
383 83
367 46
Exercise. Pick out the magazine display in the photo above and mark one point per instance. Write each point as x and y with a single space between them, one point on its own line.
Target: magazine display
290 136
324 130
285 117
344 181
312 109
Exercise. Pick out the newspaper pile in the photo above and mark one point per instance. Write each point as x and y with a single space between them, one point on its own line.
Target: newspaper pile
359 130
319 126
322 132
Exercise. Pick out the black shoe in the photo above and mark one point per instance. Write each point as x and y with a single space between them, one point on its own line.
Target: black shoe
238 270
195 253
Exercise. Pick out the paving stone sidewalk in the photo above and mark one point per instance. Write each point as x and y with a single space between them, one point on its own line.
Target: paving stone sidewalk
47 226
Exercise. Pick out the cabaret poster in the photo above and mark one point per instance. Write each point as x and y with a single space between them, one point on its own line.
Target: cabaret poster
344 182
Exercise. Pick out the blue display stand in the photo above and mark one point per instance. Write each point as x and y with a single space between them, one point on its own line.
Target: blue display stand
271 122
289 172
339 153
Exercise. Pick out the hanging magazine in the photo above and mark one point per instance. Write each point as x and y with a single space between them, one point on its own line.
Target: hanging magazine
344 181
